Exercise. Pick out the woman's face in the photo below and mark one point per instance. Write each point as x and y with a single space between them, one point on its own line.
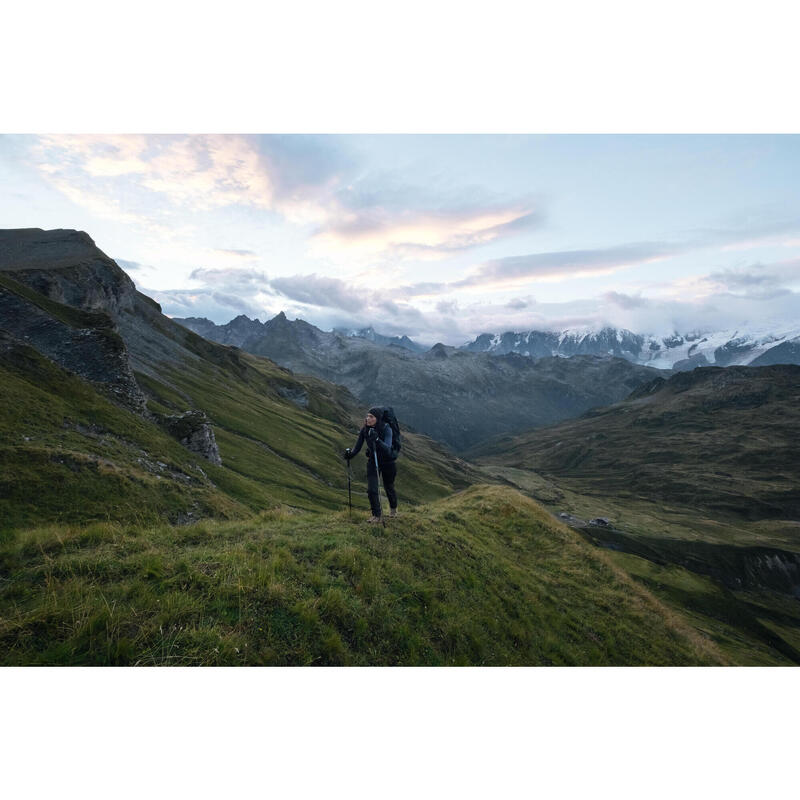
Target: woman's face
371 420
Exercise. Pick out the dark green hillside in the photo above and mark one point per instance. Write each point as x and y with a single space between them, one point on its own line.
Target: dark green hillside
482 577
698 478
68 454
724 440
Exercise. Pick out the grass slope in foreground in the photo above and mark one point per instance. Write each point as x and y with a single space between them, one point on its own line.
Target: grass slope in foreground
484 576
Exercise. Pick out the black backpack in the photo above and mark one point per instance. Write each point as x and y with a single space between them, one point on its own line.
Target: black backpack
390 419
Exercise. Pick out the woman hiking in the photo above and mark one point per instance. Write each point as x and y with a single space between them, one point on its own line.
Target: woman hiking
378 436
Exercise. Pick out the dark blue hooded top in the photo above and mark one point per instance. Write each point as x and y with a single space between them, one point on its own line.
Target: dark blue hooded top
383 440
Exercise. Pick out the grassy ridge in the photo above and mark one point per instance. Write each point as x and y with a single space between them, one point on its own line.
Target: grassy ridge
751 627
482 577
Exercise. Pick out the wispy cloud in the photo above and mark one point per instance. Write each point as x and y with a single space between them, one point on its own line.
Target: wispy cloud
571 264
140 179
317 290
244 254
568 264
212 304
624 300
552 266
308 181
422 233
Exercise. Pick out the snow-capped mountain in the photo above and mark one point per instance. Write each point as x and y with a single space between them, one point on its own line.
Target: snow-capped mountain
672 351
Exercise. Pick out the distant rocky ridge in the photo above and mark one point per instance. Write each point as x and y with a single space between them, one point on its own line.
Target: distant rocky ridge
778 343
388 341
245 333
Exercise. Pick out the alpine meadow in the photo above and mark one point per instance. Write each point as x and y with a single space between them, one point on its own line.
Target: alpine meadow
590 480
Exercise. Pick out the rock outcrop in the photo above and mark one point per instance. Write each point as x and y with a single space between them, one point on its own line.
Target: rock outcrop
193 430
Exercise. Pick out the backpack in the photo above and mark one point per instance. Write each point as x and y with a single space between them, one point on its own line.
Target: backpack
390 419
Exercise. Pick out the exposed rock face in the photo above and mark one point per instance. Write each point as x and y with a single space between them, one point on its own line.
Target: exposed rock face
66 266
784 353
192 430
295 394
84 343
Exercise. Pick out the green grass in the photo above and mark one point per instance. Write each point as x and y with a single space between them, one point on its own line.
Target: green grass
750 628
67 454
484 576
717 441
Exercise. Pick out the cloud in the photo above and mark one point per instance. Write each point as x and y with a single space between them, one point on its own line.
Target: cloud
308 180
756 280
317 290
217 306
247 254
235 279
449 307
330 303
568 263
422 233
340 304
516 304
138 179
519 270
624 300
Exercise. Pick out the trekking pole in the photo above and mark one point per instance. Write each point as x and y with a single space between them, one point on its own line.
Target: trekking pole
378 479
349 492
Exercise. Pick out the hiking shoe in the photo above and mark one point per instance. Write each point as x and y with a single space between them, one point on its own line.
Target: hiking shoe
393 512
373 520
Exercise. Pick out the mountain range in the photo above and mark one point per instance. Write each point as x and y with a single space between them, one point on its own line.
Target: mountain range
453 395
757 345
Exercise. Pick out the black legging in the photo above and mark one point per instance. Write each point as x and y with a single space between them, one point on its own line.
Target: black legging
388 472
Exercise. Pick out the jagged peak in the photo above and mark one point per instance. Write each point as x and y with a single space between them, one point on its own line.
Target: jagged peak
243 318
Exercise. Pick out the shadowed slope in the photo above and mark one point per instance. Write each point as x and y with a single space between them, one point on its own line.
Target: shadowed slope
714 438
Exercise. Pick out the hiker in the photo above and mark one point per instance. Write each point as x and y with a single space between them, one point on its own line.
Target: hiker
378 435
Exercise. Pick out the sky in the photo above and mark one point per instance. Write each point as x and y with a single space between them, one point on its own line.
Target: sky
440 237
